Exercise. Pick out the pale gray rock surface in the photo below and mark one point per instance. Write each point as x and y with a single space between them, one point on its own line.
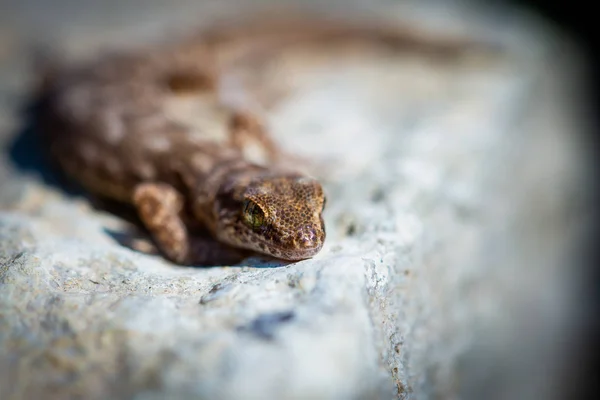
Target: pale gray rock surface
456 197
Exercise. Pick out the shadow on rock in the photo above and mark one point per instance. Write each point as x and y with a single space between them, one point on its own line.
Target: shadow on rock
27 152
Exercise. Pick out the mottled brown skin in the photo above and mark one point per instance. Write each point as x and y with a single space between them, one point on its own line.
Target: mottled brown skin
126 127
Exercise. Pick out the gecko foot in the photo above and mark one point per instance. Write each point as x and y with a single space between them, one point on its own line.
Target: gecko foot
160 208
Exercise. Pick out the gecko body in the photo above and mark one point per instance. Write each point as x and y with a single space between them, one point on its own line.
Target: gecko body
149 129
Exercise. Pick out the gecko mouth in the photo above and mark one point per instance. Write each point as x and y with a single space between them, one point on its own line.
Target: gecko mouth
304 245
296 254
294 250
306 252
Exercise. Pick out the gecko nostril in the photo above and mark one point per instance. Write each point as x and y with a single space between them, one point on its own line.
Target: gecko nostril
307 237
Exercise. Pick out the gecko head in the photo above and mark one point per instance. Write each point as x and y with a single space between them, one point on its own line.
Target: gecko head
278 216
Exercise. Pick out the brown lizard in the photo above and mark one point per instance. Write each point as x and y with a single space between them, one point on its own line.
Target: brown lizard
149 129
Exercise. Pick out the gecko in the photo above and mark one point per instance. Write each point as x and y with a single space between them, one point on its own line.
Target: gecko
150 129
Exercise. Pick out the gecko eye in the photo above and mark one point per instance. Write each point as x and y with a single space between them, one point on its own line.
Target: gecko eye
253 215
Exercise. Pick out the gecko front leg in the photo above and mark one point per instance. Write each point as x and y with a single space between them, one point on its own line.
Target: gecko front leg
160 208
246 128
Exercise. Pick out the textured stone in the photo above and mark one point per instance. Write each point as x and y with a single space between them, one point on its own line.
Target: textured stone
454 196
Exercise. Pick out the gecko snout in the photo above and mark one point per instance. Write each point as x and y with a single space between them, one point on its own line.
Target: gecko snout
307 238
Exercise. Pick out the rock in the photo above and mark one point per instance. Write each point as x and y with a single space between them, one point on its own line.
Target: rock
455 199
